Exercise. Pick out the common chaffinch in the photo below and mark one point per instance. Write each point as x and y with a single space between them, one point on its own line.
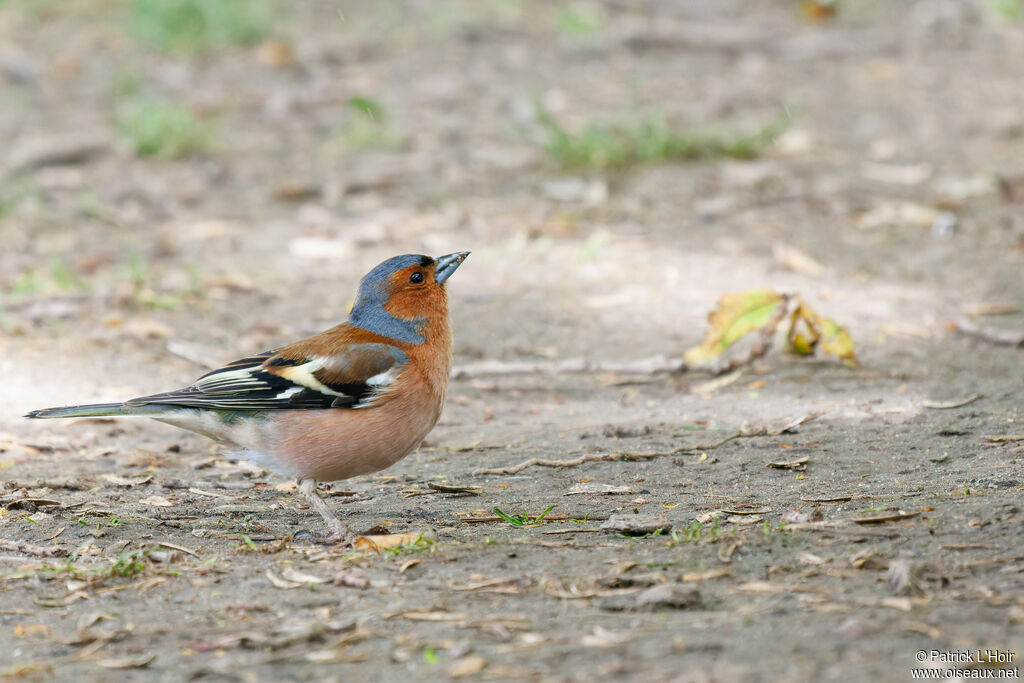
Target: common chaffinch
354 399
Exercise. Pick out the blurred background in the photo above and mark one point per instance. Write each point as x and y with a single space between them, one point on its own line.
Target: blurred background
186 181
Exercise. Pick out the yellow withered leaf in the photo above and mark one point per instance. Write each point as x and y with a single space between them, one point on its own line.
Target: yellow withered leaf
837 341
822 333
801 344
738 314
761 310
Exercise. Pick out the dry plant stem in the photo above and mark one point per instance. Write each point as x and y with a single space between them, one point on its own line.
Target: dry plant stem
608 457
45 484
989 334
653 365
746 432
840 528
948 405
1005 439
28 549
339 533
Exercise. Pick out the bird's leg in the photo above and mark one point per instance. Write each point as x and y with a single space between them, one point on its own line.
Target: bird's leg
339 533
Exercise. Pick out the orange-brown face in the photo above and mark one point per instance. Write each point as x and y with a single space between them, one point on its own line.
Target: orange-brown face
415 293
403 298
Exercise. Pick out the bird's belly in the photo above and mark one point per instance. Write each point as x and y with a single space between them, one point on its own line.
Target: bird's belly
338 443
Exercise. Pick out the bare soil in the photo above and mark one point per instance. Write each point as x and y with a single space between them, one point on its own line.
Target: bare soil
131 549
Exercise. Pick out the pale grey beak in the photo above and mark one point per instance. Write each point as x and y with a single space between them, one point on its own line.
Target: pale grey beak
446 265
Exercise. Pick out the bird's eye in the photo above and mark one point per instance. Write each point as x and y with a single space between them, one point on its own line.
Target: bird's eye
416 278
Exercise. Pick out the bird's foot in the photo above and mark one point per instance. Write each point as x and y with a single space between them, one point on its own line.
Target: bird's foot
334 539
337 531
318 538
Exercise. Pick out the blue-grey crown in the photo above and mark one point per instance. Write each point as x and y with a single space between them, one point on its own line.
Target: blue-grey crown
369 314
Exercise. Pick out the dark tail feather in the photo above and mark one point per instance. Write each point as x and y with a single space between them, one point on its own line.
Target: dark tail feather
94 410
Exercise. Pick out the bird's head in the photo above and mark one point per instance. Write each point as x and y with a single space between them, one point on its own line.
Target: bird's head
397 297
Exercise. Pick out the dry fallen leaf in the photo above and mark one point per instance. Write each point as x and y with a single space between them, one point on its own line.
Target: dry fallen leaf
886 518
280 582
897 213
508 586
737 314
290 574
668 595
769 588
606 489
795 517
901 604
705 575
896 174
866 559
637 525
798 465
275 53
725 551
745 520
157 501
386 542
794 259
434 616
118 480
905 578
762 310
466 666
22 630
137 662
709 517
746 511
350 580
822 333
810 558
602 637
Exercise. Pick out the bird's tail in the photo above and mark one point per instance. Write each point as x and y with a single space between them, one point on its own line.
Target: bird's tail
102 410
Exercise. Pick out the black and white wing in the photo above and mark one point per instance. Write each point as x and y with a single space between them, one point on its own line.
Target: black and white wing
359 376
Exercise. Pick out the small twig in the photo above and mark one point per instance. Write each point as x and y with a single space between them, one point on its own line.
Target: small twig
947 405
71 485
653 365
1004 439
886 518
180 548
434 488
790 426
547 520
451 488
989 334
717 383
745 432
36 550
610 457
798 465
833 528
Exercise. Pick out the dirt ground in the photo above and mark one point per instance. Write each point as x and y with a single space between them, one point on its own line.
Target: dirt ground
133 550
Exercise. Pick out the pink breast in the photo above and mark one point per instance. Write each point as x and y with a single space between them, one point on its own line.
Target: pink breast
338 443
